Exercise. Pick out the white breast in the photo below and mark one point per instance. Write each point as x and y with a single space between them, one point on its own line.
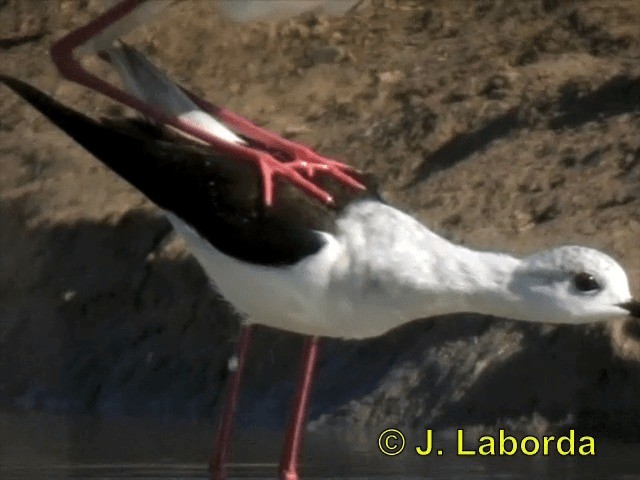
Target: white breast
334 293
290 298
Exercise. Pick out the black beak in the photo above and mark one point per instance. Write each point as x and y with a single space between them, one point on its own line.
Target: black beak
633 306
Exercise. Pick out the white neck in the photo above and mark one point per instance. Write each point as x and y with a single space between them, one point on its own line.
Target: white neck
464 280
408 272
487 284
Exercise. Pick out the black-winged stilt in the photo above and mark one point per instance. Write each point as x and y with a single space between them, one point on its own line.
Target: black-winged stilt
353 269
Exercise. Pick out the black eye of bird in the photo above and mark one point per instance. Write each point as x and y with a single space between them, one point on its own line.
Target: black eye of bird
585 282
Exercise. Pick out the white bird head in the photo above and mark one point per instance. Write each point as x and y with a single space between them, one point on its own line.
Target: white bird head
573 284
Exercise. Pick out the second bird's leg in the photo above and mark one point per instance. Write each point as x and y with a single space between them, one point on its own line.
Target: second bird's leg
221 447
288 469
270 166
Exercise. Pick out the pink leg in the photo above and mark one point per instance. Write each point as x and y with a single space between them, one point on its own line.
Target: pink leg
288 469
298 156
221 447
267 161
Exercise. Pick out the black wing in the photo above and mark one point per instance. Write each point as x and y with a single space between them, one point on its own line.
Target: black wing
221 198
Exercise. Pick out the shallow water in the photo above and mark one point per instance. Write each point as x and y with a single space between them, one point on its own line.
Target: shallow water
38 446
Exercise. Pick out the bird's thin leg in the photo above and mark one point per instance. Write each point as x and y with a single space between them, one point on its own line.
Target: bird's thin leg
221 447
268 162
288 469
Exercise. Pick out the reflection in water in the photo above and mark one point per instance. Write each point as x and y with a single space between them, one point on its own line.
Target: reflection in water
39 446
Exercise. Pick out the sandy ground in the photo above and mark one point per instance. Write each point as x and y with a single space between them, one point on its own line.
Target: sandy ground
502 125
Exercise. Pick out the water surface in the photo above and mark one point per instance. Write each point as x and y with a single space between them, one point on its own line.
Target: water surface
40 446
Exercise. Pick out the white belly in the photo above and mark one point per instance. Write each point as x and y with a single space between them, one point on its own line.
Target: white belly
310 297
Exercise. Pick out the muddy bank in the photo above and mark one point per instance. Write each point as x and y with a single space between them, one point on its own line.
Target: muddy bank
502 125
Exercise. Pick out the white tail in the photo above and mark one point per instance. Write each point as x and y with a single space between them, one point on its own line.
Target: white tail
144 80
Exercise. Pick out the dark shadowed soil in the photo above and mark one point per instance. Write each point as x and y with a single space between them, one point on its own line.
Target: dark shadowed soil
510 125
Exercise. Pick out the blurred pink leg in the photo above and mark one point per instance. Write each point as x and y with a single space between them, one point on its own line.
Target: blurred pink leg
302 158
288 469
222 448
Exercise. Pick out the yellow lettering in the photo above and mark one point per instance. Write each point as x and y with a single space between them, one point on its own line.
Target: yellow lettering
589 448
488 448
503 439
570 440
523 445
428 444
530 445
461 450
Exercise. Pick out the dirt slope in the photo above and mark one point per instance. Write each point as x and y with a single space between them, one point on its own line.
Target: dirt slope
503 125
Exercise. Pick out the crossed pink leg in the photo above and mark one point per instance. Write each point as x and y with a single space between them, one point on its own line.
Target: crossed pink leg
276 157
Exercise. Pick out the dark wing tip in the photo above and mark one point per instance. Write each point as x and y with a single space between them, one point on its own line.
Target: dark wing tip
26 91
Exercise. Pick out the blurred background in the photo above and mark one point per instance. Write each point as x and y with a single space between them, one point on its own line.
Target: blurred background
507 125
